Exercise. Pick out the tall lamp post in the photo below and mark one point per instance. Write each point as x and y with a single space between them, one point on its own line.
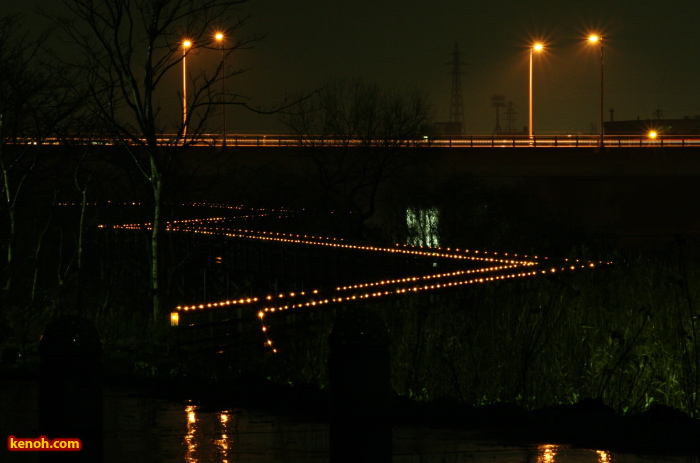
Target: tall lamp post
536 47
186 44
596 39
220 38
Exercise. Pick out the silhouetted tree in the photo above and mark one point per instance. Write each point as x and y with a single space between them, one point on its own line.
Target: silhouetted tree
130 49
373 128
37 102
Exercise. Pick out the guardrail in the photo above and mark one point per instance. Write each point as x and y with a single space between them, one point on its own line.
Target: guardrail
467 141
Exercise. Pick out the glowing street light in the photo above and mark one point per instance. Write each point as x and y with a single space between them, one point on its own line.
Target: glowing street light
186 44
536 47
220 38
596 39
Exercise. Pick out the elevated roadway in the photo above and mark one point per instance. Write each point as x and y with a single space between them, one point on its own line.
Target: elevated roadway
636 187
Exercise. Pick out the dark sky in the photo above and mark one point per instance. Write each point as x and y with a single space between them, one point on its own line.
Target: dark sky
652 51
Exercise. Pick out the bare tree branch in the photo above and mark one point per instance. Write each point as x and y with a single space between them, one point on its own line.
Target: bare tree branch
352 112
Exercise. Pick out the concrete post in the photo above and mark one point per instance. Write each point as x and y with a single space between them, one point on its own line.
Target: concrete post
360 389
70 388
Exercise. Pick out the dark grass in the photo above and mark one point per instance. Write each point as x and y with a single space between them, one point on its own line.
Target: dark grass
622 340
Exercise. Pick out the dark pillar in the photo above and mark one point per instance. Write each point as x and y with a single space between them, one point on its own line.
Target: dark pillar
70 388
360 389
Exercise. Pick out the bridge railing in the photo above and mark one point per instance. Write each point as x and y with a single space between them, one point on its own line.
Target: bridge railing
466 141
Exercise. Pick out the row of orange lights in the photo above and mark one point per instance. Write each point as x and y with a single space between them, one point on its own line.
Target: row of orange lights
317 241
255 235
175 225
125 203
476 255
411 250
398 291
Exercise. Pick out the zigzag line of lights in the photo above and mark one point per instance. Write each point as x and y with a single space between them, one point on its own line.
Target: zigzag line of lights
400 290
242 301
427 277
204 226
397 291
398 281
269 310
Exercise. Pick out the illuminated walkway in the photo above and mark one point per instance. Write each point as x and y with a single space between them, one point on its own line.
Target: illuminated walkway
474 267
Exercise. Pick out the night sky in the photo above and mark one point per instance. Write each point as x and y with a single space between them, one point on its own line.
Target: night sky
652 56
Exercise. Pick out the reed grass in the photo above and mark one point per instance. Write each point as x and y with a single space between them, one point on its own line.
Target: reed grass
627 334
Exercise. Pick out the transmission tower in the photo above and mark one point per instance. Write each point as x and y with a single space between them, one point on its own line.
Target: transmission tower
511 117
456 101
659 113
498 102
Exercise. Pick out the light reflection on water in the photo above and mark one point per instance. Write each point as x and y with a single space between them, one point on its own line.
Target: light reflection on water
141 429
188 434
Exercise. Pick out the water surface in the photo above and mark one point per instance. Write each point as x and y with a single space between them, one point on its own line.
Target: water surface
139 429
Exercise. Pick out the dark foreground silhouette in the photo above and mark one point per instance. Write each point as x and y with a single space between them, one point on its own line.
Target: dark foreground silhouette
589 423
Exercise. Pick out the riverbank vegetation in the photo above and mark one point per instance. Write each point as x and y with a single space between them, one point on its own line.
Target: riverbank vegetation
626 333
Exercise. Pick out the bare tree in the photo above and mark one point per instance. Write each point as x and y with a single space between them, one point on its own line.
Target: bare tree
373 127
36 102
131 49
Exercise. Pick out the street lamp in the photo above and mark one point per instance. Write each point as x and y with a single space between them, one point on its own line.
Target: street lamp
186 44
596 39
220 38
536 47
